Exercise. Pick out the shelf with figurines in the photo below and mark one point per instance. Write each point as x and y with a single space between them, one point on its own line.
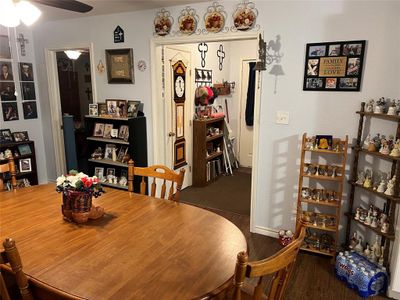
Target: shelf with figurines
320 196
110 178
387 109
326 222
381 146
324 144
324 172
372 252
315 242
110 157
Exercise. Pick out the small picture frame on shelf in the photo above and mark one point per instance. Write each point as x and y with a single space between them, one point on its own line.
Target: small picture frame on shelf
324 142
108 151
133 108
121 108
98 129
5 136
99 172
123 132
110 172
107 131
111 107
124 173
114 133
102 109
24 149
25 165
93 109
122 152
21 136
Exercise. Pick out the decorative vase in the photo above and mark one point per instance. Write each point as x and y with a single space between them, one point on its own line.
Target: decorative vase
77 207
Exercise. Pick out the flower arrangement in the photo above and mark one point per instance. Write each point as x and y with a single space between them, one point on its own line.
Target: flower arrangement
80 182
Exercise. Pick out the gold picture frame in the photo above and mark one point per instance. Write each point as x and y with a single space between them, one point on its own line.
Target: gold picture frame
120 65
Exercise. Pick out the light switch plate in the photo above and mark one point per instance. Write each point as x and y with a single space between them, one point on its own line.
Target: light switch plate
282 117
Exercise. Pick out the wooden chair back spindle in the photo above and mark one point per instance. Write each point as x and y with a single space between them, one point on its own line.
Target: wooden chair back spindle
157 172
280 264
8 167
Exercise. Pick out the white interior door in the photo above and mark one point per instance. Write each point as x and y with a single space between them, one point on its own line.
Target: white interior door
245 142
173 54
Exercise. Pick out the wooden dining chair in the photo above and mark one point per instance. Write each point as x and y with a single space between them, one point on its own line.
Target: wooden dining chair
280 265
27 288
8 167
160 172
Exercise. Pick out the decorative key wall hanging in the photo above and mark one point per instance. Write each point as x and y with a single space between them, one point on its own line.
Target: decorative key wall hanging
221 56
203 49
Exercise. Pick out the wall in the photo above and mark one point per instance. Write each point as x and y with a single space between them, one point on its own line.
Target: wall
298 23
33 126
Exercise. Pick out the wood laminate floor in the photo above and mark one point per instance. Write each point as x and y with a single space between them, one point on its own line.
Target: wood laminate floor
313 277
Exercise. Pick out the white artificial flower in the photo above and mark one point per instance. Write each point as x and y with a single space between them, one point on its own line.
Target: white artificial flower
60 180
81 175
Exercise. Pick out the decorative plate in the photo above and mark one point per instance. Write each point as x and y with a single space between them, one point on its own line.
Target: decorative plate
215 17
163 23
244 18
141 65
188 21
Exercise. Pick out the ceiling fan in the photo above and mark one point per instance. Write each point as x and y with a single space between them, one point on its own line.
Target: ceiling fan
72 5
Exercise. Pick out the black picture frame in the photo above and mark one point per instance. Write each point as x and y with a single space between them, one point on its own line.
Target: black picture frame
334 66
120 65
24 149
30 110
5 136
324 142
20 136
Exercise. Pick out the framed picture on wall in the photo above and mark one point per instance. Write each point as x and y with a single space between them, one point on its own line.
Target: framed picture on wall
5 51
5 135
334 66
120 65
21 136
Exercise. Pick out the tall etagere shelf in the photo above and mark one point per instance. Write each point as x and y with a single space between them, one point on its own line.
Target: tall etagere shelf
321 199
390 200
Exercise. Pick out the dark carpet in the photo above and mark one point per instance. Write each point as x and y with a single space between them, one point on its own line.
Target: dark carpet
227 193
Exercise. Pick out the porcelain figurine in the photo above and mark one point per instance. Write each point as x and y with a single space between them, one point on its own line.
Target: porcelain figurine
392 111
114 154
369 106
353 241
309 143
378 141
398 106
380 106
360 178
363 216
123 181
376 247
396 149
382 186
374 222
2 156
371 147
384 147
382 218
115 180
380 260
359 248
368 219
357 215
366 142
367 251
305 193
98 153
385 227
390 186
8 153
368 182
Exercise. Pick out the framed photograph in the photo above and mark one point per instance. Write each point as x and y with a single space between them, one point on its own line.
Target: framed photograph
111 107
121 109
98 129
7 91
102 109
123 132
28 90
25 71
110 172
334 66
124 173
5 136
5 51
21 136
108 151
133 108
6 73
10 111
30 110
324 142
99 172
120 65
93 109
25 165
114 133
107 131
24 149
122 151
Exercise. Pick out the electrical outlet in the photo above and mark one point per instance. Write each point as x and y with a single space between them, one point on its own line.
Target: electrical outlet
282 117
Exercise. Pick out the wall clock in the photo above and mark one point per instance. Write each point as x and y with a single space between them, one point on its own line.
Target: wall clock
179 86
179 77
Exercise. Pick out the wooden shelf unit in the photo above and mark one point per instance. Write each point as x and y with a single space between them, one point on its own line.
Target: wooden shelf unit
390 201
338 181
202 164
32 176
137 145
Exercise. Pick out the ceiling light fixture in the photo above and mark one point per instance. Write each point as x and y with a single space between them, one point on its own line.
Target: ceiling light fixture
73 54
11 14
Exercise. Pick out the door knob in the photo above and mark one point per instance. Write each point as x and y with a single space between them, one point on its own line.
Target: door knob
171 134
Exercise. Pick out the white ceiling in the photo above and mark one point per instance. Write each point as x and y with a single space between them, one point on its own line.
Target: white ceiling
102 7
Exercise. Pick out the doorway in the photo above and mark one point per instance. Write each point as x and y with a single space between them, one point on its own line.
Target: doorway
232 112
71 90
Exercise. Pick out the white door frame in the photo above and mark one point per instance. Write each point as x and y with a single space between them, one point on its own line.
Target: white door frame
55 101
157 102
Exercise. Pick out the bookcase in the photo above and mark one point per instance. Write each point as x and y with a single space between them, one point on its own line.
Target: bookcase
319 201
208 147
134 143
25 161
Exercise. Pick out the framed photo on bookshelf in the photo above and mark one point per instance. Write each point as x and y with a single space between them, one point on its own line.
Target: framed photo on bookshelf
107 131
21 136
25 165
98 129
24 149
5 136
122 151
99 172
102 109
108 151
110 172
93 109
133 108
123 132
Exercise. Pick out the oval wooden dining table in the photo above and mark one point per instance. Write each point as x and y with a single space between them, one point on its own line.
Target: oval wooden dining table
142 248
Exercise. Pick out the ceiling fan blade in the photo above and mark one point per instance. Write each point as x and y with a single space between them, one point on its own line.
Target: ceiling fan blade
72 5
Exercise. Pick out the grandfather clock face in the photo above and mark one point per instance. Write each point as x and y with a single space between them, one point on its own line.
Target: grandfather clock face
179 81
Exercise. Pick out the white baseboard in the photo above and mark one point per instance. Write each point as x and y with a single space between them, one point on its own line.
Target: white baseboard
393 294
265 231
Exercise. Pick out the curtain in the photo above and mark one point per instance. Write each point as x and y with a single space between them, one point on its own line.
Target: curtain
250 95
